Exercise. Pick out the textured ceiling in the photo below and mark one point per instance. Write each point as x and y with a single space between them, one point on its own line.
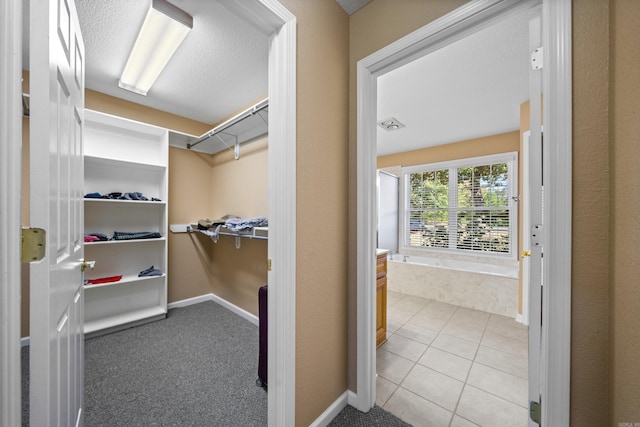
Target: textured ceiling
468 89
221 67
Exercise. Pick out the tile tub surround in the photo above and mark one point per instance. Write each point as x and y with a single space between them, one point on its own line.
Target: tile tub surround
433 372
492 293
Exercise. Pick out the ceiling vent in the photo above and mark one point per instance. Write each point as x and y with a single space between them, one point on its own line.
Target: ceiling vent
390 124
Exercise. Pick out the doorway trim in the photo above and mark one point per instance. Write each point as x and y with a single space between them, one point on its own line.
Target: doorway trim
557 116
276 22
10 183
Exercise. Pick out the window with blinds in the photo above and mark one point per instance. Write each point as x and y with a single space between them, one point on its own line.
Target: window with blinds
466 206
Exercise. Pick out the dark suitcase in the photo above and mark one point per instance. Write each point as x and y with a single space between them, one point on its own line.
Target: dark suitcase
263 322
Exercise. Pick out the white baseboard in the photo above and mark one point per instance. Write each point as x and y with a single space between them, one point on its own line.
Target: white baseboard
223 302
334 409
234 308
190 301
25 341
520 319
352 398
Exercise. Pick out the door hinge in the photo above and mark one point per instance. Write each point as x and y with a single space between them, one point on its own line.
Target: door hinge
34 241
268 265
536 235
537 59
535 412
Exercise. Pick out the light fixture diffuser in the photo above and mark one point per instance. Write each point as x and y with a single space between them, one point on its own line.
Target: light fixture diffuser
163 30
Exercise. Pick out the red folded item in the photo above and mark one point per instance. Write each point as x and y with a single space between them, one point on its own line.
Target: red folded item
104 280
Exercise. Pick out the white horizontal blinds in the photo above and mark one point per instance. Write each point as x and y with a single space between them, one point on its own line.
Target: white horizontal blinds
427 216
483 211
462 206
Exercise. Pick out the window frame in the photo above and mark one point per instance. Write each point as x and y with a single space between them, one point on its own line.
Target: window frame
511 158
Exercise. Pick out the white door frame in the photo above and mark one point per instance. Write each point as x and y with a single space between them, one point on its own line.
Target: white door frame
273 20
557 117
10 190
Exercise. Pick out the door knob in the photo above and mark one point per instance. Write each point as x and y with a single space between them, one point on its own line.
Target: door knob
526 253
87 264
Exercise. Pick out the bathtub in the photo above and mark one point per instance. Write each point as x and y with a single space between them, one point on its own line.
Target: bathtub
478 285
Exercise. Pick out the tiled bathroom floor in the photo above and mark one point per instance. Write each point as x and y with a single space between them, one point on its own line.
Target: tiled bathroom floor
444 365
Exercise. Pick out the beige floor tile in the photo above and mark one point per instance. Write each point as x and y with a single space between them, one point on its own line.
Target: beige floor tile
393 325
416 333
497 320
440 309
458 421
457 346
398 314
488 410
506 386
506 345
393 297
428 321
509 328
469 314
446 363
468 322
412 303
384 390
391 366
409 349
417 411
504 362
464 332
433 386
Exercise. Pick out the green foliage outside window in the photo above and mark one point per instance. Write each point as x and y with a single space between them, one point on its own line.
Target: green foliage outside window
481 211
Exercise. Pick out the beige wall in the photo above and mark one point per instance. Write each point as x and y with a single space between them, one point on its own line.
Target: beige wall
322 168
203 186
624 373
484 146
590 242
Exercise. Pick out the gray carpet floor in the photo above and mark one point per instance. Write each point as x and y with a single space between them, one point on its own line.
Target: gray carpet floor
195 368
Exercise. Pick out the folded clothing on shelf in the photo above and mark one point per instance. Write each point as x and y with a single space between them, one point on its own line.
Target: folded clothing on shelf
245 224
102 280
122 235
150 272
116 195
95 237
206 224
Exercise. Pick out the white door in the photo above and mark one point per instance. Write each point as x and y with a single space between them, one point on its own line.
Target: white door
56 174
533 250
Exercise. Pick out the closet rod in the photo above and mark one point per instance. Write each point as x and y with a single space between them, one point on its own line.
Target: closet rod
232 121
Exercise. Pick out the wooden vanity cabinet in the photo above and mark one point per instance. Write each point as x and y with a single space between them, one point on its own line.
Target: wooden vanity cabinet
381 299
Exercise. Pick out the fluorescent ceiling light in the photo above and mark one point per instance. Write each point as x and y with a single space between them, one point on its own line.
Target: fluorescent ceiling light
163 29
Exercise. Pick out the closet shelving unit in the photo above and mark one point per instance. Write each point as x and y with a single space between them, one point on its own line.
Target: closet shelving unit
122 155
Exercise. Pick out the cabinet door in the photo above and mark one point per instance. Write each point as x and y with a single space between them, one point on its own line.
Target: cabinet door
381 310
